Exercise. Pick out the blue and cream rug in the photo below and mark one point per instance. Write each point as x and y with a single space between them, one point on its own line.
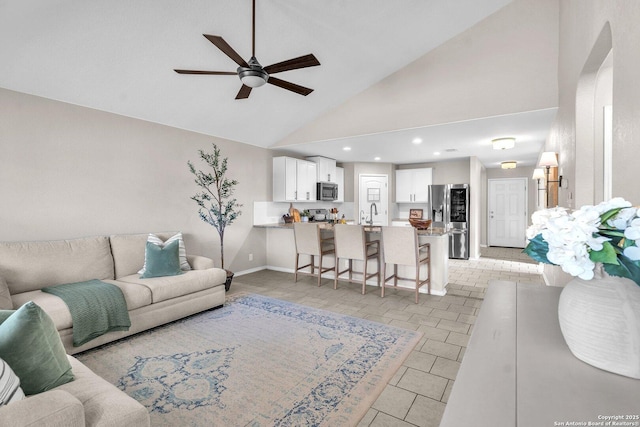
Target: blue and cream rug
257 361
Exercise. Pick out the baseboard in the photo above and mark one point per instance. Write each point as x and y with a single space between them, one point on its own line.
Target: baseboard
249 271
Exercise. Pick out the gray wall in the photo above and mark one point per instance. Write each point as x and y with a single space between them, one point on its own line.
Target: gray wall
68 171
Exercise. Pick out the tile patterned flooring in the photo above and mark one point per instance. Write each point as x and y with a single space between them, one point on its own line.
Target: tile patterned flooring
418 393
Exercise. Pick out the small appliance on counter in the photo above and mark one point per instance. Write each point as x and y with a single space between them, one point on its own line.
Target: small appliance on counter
319 215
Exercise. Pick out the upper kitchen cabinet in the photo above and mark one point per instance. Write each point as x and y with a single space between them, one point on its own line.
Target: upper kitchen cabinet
326 169
294 180
340 182
412 185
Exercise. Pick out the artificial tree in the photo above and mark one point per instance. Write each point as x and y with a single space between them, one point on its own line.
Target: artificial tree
216 205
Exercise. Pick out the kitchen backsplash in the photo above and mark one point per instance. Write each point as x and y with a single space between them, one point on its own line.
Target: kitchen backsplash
271 212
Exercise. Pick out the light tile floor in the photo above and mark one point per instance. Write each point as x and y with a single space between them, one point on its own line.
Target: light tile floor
418 393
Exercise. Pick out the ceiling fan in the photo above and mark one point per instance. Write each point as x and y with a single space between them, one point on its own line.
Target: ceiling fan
251 73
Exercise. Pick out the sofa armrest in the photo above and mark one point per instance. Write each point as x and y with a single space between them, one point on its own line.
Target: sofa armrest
198 262
54 408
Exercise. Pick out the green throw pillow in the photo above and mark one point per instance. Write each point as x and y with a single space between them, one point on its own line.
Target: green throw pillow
4 315
161 260
30 344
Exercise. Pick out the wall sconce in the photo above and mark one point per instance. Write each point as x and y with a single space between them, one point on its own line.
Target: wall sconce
503 143
509 164
538 174
549 160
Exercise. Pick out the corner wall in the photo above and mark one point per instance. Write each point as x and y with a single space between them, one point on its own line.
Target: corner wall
67 171
581 23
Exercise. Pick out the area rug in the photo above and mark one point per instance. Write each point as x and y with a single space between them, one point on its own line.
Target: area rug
257 361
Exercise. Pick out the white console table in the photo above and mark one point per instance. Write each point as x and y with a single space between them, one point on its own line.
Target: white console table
518 370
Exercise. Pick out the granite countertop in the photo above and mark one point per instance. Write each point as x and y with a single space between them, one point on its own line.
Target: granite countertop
435 231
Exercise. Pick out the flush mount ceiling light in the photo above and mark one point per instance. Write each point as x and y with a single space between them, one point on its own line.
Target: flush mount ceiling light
417 141
503 143
510 164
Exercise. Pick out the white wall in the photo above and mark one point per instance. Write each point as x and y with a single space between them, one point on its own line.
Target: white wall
506 63
68 171
581 24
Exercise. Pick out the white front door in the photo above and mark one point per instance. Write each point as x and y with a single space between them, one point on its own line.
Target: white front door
373 189
507 212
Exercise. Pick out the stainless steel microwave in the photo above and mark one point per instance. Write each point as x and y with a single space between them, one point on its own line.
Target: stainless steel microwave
327 191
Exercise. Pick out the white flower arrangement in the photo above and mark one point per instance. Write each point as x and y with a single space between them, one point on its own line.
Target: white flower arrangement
608 233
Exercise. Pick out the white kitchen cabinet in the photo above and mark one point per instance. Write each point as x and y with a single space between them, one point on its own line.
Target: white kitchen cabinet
326 169
412 185
294 180
340 182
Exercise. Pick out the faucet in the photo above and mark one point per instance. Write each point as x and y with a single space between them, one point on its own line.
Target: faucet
373 208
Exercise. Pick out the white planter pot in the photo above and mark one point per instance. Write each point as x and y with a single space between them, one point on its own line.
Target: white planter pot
600 321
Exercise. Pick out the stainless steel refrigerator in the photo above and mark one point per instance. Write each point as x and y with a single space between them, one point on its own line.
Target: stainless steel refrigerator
449 209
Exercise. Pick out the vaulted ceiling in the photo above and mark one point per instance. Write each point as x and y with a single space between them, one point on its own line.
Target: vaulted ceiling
119 56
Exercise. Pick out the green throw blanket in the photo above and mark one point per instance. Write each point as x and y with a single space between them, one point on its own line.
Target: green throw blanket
96 308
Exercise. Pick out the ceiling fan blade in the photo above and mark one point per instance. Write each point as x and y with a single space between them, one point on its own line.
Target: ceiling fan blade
290 86
220 73
293 64
244 92
226 49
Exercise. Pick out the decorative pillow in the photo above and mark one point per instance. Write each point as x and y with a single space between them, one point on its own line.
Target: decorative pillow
5 296
161 260
4 315
30 344
10 390
184 265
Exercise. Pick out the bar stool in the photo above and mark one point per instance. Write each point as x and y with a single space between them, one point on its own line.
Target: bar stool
309 242
351 243
400 246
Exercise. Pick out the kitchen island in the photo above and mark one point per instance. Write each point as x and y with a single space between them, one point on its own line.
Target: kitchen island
281 252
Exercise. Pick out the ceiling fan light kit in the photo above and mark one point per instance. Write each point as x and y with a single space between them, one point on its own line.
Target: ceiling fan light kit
251 73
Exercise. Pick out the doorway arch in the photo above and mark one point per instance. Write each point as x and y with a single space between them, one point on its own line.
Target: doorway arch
593 144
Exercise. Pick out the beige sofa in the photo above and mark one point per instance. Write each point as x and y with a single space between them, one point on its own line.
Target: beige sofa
27 267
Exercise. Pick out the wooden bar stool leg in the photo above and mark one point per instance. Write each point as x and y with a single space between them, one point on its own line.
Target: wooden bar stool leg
417 281
395 275
384 278
335 275
295 274
364 275
320 269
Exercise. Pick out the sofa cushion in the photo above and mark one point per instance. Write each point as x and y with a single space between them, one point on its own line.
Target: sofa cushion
10 390
164 288
128 251
30 344
161 261
136 296
53 408
104 404
182 252
28 266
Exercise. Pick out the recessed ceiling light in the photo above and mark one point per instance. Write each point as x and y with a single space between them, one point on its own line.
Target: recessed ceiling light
346 148
436 153
451 150
376 158
417 141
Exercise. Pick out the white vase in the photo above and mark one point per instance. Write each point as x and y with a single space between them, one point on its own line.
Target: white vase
600 321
